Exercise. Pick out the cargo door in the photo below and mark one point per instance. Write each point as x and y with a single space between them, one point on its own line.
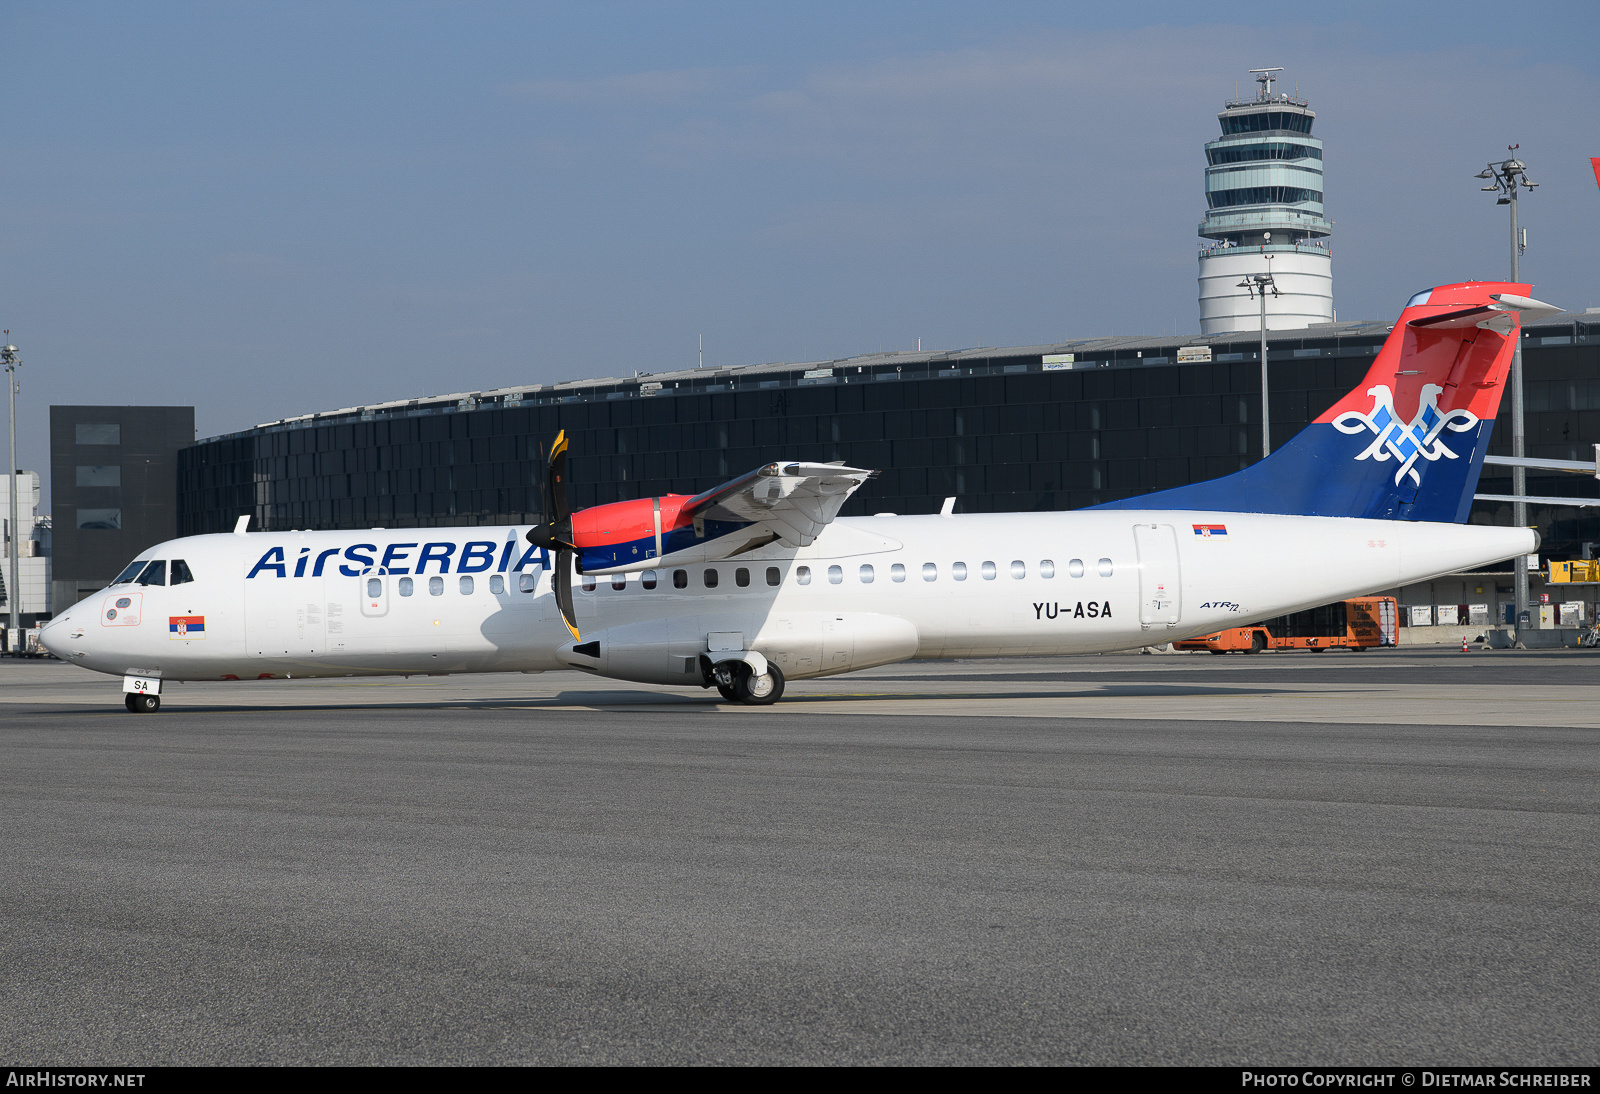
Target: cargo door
285 618
1160 597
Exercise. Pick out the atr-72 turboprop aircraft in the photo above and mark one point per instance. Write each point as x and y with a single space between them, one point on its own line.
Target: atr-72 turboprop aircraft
759 581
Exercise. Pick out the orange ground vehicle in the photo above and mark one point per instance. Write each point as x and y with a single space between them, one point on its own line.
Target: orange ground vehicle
1355 625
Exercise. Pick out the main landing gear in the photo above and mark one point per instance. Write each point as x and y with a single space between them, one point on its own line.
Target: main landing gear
142 702
736 683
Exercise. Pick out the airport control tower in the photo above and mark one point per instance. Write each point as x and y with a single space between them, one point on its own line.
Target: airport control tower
1264 214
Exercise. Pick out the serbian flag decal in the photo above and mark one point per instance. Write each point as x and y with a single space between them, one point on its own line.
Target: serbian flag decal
1210 529
186 626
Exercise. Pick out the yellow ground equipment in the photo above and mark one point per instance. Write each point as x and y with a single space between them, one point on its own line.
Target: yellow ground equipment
1583 569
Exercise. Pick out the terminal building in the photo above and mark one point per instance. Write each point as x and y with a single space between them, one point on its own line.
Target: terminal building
113 490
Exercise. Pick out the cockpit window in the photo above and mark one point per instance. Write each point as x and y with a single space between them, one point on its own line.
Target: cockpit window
134 569
155 573
180 572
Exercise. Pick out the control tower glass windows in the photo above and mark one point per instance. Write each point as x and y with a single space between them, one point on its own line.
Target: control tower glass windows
1250 153
1266 121
1261 195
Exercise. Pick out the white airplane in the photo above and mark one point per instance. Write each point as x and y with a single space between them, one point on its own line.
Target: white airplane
758 581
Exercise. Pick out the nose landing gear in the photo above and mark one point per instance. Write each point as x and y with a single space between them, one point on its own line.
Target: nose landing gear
142 702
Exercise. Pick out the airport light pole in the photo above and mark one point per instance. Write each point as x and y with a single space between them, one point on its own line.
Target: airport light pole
1506 178
8 356
1258 285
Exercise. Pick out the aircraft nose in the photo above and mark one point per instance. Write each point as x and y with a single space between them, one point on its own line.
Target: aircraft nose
56 635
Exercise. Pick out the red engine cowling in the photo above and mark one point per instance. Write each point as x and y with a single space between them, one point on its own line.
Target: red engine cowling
625 532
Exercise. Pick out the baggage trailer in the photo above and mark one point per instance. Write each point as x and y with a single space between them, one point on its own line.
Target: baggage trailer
1355 625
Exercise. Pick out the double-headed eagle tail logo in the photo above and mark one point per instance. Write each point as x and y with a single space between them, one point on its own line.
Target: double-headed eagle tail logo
1406 443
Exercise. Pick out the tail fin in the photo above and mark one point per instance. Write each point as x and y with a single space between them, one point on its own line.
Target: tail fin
1409 442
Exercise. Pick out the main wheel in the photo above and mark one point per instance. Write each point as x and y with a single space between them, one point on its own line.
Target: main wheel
760 691
142 703
729 692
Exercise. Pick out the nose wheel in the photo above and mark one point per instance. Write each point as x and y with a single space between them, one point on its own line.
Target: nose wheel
140 703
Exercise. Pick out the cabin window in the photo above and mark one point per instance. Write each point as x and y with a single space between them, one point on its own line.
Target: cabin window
741 577
648 579
897 572
527 582
1019 569
497 584
866 573
180 572
619 582
835 575
988 571
405 586
930 571
1105 567
1047 568
466 585
588 583
958 570
773 576
374 588
436 585
711 579
155 573
803 575
680 579
1075 567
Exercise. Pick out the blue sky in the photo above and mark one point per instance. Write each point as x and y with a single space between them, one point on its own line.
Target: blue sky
270 209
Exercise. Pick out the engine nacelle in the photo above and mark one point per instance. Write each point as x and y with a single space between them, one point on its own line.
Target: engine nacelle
801 644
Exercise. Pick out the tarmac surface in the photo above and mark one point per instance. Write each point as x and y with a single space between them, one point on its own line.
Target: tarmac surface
1298 859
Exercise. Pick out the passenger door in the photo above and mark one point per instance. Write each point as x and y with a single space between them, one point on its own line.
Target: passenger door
1160 579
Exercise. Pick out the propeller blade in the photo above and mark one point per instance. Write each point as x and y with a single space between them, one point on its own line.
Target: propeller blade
556 532
561 582
556 482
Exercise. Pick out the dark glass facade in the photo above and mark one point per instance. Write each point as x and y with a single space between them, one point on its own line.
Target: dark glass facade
1004 430
1261 195
1282 120
1256 152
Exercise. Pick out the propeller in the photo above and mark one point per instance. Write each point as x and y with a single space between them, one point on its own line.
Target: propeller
556 533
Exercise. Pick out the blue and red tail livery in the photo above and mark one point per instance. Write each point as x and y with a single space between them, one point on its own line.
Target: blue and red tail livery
1408 443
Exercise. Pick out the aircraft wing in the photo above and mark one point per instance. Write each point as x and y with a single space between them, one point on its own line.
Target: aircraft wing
788 504
793 502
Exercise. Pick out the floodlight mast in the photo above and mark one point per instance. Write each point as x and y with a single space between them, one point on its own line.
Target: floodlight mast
8 357
1508 177
1259 285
